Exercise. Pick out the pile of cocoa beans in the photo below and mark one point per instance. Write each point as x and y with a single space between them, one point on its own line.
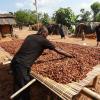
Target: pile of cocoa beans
59 68
63 69
11 46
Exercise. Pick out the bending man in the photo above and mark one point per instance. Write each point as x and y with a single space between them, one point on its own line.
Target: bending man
32 47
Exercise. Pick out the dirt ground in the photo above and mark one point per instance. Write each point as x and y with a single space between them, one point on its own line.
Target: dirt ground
25 32
8 80
89 42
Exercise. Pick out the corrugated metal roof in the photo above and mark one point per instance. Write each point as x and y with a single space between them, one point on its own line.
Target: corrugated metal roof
6 16
7 21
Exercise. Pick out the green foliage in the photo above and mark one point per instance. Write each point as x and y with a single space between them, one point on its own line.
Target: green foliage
28 17
82 10
64 16
95 8
45 19
97 18
84 16
25 17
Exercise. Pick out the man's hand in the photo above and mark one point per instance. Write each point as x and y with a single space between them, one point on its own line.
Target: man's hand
60 51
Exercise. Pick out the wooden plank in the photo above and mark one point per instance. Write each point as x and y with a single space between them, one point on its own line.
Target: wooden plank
76 87
97 84
91 93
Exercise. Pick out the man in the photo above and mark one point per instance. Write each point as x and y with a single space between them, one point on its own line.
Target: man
61 32
97 30
32 47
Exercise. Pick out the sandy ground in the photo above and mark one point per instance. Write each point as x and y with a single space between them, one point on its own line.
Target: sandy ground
89 42
25 32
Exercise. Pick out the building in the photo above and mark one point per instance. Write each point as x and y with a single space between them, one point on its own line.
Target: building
6 24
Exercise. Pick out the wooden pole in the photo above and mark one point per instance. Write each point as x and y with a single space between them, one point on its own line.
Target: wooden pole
91 93
36 6
22 89
6 63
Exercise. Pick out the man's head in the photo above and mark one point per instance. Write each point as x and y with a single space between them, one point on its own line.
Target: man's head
43 31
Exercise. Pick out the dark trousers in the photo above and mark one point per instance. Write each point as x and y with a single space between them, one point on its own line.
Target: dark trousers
21 77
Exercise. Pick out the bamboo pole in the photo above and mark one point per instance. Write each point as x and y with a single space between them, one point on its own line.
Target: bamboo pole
91 93
6 63
22 89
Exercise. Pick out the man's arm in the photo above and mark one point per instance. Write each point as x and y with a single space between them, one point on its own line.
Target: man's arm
48 45
60 51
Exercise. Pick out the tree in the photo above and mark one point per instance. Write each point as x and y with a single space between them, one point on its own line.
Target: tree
25 17
45 19
82 10
84 16
40 16
97 18
95 8
28 17
64 16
